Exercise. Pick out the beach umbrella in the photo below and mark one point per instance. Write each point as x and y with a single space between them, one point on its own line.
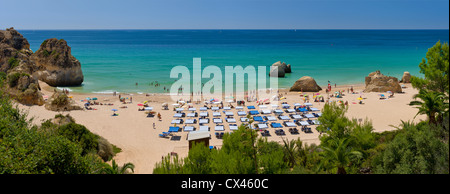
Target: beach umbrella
175 105
148 108
360 98
114 110
145 102
140 105
389 92
94 98
317 93
88 98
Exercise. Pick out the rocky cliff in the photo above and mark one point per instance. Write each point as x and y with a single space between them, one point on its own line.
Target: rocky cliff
55 64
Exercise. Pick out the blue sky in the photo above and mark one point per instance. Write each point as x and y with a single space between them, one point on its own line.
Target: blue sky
225 14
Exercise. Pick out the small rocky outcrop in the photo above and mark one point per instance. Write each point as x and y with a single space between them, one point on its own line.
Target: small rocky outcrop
306 84
279 69
406 78
24 88
61 102
55 64
377 82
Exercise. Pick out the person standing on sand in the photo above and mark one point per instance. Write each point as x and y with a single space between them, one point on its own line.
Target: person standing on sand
154 126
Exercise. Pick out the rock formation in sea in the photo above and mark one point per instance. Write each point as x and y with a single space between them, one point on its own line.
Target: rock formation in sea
279 69
406 78
55 64
306 84
377 82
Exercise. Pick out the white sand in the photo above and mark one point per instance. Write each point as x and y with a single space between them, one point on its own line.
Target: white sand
133 132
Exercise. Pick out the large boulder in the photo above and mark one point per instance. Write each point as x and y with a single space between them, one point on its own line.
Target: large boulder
276 71
377 82
406 78
306 84
279 69
56 65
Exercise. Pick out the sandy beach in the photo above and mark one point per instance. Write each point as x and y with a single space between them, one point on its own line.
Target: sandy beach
141 145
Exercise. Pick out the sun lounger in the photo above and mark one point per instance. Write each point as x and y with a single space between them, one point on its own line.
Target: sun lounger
219 128
227 108
304 123
266 112
265 133
297 117
192 109
203 114
290 124
293 131
217 121
253 112
203 121
215 108
229 113
203 108
290 110
258 119
178 115
244 119
262 126
283 118
191 121
308 104
285 106
242 113
203 128
250 107
276 125
177 121
216 114
314 109
192 114
189 128
174 129
271 118
309 116
231 120
280 132
239 108
233 127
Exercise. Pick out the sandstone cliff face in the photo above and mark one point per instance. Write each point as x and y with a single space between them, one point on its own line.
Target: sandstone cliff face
55 64
377 82
14 51
306 84
14 61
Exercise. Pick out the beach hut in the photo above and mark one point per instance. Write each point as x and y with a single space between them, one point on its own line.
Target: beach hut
196 137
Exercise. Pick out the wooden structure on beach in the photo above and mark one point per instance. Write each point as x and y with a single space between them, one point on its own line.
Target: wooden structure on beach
198 137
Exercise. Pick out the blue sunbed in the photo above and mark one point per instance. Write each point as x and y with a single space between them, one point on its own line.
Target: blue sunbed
253 112
251 107
276 125
174 129
258 118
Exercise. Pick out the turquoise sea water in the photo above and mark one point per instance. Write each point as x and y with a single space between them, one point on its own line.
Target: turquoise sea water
115 60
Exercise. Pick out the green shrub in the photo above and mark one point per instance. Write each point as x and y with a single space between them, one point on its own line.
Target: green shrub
13 78
80 134
13 62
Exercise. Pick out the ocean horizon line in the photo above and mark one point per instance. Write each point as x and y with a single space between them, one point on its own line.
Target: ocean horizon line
233 29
